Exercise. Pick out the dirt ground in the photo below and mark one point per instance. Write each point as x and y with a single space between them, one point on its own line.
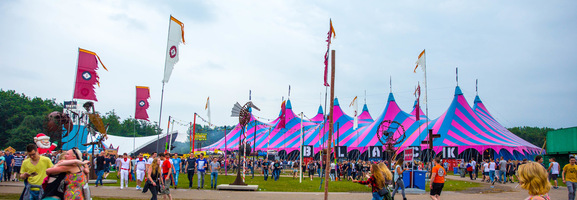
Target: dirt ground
499 191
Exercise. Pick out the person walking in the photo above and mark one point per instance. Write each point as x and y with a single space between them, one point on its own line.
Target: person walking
124 170
265 168
99 168
503 171
276 170
510 170
438 174
2 165
201 165
398 178
166 173
214 167
554 170
17 165
176 164
533 178
190 166
492 166
376 181
333 171
140 169
153 178
9 159
570 177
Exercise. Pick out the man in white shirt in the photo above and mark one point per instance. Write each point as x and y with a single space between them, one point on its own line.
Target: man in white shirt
485 171
474 164
492 166
554 170
140 170
124 170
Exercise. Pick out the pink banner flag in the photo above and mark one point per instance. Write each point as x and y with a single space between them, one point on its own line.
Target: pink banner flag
330 35
142 96
282 121
86 75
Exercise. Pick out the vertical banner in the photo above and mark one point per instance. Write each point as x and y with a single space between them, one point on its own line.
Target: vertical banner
341 151
308 151
142 96
375 152
450 152
86 76
330 34
175 37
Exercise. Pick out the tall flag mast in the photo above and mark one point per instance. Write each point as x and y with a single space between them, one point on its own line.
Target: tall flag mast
175 37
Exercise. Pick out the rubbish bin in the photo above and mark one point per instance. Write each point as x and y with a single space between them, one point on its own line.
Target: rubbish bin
455 170
419 179
407 178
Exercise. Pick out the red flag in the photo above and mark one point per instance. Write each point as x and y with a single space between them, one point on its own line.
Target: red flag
330 35
86 75
418 108
282 122
142 96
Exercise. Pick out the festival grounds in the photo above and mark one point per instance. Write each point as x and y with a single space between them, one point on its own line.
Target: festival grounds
12 190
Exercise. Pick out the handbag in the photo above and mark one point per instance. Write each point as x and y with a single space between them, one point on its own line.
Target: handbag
385 193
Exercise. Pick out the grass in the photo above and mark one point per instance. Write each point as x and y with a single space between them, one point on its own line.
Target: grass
17 196
288 184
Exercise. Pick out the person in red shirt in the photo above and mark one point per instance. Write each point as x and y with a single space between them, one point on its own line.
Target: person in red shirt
438 179
166 171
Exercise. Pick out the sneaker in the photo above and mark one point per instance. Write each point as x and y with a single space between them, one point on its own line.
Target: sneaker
121 188
198 188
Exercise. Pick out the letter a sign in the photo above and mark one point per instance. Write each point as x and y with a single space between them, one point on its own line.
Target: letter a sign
450 152
307 151
375 152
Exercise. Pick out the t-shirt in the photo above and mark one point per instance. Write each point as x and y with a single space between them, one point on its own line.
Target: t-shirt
570 172
9 159
150 160
176 163
125 164
555 168
40 168
492 166
265 165
2 163
190 162
474 164
166 167
214 166
200 164
276 165
140 164
107 162
18 160
333 165
99 163
503 165
439 172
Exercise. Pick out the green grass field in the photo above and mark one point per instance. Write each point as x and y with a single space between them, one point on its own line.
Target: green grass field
288 184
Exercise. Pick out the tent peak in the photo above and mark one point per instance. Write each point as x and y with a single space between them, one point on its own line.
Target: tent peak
477 99
320 110
391 97
336 102
458 91
365 108
288 104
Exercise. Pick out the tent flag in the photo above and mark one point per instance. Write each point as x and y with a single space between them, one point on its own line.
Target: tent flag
331 34
207 108
420 61
142 96
282 122
418 95
86 75
175 37
355 105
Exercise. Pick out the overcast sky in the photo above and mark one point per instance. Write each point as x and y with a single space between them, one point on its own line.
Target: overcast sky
522 52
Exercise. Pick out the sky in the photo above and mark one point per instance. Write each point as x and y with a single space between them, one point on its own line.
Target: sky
520 51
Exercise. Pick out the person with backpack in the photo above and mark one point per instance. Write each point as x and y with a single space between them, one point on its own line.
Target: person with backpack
377 183
398 178
470 169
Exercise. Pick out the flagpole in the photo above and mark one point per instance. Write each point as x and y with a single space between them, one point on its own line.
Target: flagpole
162 94
301 152
160 119
327 165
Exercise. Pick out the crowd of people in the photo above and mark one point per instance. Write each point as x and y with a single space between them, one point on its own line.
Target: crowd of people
64 174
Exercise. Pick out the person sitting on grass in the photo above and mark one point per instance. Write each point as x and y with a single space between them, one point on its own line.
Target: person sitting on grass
533 178
376 181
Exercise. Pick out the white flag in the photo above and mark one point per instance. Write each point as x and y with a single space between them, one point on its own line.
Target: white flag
356 118
175 37
207 108
422 62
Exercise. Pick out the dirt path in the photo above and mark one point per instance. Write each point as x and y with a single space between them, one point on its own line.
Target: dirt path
483 192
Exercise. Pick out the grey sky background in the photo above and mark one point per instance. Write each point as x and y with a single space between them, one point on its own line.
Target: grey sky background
522 52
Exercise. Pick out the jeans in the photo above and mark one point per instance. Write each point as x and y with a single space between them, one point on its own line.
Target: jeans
7 173
175 175
376 196
492 175
399 183
201 179
190 177
265 173
571 186
100 173
1 174
34 195
213 177
153 191
319 171
276 174
251 171
503 176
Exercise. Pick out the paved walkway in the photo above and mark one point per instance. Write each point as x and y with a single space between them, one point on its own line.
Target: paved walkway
107 191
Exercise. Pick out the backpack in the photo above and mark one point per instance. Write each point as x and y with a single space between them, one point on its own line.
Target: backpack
385 193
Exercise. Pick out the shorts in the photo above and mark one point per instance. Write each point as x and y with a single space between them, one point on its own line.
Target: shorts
486 173
554 176
106 169
139 175
311 173
165 189
17 169
437 188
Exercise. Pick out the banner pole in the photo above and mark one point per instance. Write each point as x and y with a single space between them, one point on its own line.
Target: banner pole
327 166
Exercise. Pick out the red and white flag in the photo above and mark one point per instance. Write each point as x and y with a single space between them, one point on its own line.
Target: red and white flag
355 105
142 96
86 76
175 37
331 34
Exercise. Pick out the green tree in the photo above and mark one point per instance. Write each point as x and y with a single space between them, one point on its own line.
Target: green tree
533 135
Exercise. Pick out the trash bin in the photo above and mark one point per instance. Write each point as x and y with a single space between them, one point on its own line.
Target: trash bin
419 179
407 178
455 170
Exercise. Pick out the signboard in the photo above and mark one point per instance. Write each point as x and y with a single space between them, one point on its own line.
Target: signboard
70 105
450 152
341 151
376 152
200 137
416 151
308 151
408 154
